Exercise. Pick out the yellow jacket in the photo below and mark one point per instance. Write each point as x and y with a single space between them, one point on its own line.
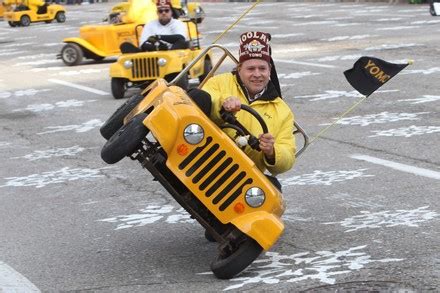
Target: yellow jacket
275 112
34 4
140 11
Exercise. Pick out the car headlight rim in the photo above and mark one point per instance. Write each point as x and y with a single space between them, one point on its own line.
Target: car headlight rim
255 197
128 64
193 133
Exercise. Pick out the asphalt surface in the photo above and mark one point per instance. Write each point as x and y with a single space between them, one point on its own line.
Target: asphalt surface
363 208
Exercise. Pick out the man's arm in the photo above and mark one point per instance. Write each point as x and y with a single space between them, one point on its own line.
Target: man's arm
284 147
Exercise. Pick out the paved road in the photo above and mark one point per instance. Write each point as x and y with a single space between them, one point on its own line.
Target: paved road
363 205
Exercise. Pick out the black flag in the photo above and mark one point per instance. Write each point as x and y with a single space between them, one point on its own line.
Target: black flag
369 73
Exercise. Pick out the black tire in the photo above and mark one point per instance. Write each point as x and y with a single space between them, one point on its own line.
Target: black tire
72 54
119 86
229 266
12 23
125 141
116 120
432 10
48 21
207 66
209 237
25 20
60 17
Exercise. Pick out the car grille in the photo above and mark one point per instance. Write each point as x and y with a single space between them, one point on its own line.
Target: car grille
217 161
145 68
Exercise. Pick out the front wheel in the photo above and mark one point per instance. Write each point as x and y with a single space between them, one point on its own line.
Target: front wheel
72 54
125 141
236 258
60 17
117 119
118 85
25 20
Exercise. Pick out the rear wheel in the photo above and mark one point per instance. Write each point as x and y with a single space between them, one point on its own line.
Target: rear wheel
119 86
60 17
71 54
116 120
12 23
25 20
236 257
432 10
125 141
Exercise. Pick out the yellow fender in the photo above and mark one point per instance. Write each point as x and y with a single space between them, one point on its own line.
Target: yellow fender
86 45
263 227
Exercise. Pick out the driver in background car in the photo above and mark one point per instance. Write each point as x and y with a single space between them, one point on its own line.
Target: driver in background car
254 83
163 33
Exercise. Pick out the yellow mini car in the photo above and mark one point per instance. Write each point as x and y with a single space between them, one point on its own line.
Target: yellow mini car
97 42
23 16
140 69
205 171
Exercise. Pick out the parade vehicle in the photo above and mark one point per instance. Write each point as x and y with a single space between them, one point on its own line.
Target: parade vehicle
140 69
97 42
205 171
22 15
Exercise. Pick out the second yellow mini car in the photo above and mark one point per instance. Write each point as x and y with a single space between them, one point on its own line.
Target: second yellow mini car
22 15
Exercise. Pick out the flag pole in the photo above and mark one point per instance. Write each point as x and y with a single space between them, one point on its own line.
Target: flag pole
338 119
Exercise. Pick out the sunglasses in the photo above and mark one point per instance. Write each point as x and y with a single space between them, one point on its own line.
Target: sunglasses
163 10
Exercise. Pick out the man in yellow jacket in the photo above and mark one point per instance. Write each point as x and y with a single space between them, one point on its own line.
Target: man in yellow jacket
250 84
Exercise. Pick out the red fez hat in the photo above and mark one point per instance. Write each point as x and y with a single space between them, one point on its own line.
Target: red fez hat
254 45
163 3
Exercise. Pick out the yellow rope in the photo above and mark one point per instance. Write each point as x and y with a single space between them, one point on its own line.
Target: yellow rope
338 119
232 25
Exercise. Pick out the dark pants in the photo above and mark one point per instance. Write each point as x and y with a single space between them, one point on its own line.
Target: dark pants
149 47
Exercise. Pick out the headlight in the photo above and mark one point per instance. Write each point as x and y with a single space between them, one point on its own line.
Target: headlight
255 197
193 134
162 62
128 64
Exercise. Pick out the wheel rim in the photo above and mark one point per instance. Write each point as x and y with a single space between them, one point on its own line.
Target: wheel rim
61 17
70 55
25 21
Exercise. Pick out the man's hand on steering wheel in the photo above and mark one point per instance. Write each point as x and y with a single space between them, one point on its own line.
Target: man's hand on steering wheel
232 104
267 142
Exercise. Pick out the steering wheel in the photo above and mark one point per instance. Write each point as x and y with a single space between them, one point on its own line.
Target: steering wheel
232 122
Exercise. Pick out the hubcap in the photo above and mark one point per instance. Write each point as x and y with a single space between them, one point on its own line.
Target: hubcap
69 55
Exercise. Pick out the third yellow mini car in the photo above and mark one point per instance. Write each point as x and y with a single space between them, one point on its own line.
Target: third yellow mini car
23 15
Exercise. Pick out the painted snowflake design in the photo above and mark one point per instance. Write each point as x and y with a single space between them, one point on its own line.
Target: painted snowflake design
322 266
369 220
47 107
22 93
86 126
331 95
407 131
56 152
380 118
53 177
425 99
151 214
324 178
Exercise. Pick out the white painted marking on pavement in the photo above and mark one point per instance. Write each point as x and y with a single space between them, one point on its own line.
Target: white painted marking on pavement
12 281
80 87
399 166
305 63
